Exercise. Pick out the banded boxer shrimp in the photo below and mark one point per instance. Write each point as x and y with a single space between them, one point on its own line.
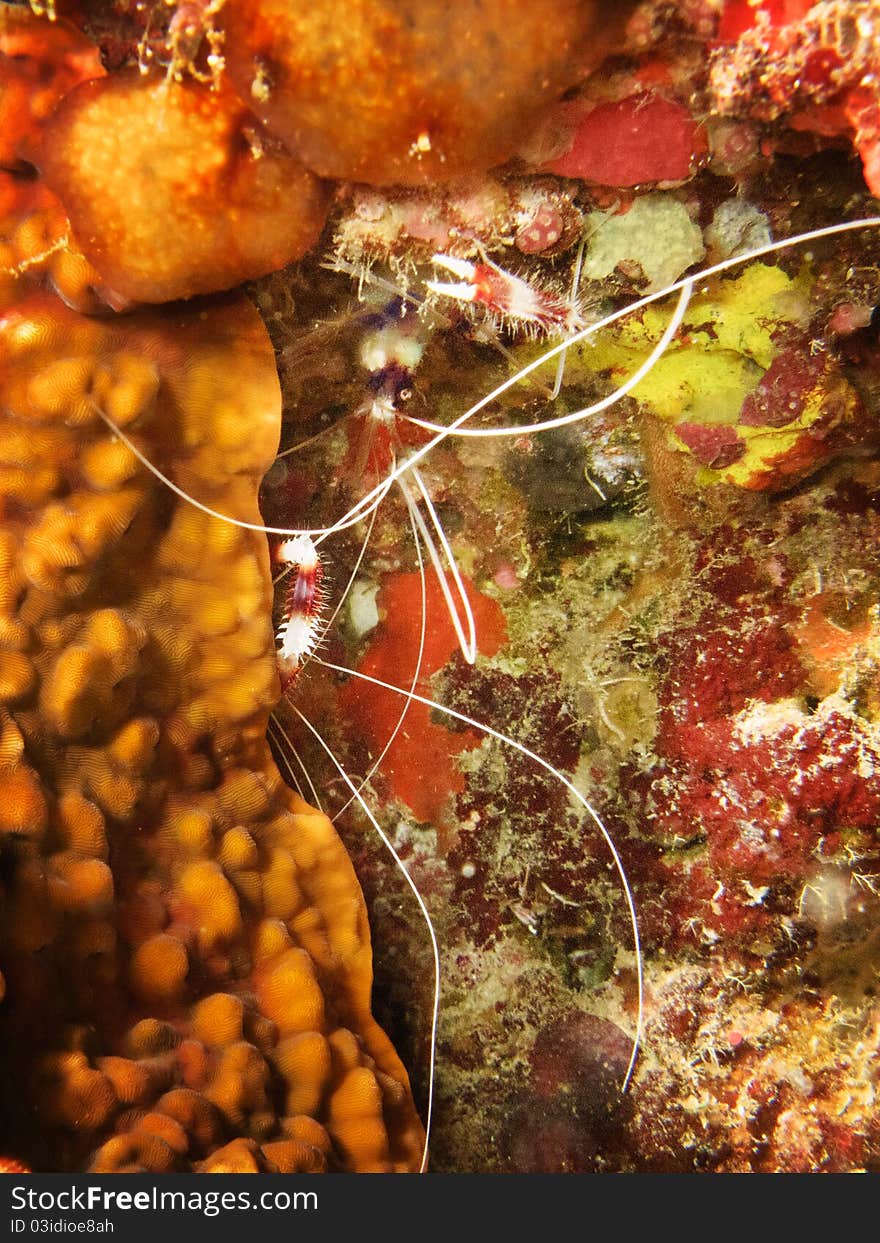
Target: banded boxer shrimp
303 558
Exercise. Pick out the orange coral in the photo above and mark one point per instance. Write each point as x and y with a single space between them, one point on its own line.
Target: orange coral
414 92
39 63
36 247
171 188
183 941
395 646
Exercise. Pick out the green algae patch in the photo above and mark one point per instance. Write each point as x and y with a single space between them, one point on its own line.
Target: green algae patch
740 389
705 385
656 235
728 337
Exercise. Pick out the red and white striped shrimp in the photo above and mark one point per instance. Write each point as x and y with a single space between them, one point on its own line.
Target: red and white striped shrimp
300 630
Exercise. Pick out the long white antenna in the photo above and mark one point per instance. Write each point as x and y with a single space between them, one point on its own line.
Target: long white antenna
435 950
417 671
576 416
376 495
572 789
467 642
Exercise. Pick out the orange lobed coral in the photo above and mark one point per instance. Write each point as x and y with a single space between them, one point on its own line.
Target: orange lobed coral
185 962
177 183
185 954
184 943
191 197
40 63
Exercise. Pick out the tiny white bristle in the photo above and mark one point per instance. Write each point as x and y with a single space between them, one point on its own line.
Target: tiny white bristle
463 292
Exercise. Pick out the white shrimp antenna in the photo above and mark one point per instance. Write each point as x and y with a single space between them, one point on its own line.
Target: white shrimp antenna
435 949
276 730
576 416
575 792
368 503
575 282
466 642
356 795
417 671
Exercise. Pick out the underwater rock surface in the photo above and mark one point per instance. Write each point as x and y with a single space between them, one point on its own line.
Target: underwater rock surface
676 599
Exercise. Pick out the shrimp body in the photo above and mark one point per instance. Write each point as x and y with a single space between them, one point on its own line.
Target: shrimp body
300 629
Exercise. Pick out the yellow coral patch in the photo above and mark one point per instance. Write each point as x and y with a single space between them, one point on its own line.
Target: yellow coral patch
731 334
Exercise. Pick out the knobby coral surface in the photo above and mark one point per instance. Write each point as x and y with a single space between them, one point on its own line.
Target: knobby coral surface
185 947
241 205
185 953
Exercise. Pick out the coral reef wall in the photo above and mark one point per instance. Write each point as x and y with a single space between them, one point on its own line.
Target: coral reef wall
230 228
